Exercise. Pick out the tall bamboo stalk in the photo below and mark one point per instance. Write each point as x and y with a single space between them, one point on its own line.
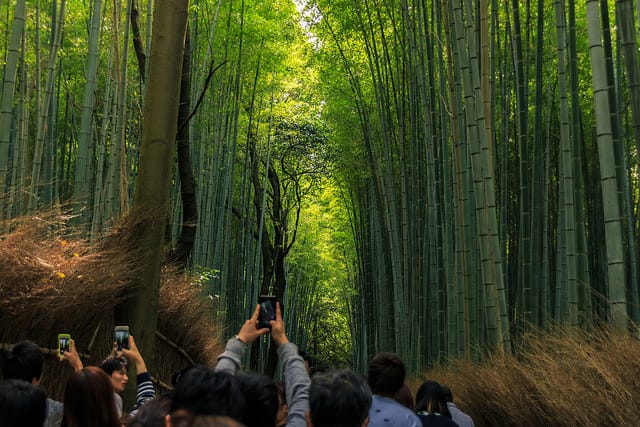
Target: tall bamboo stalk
43 117
84 156
8 91
612 210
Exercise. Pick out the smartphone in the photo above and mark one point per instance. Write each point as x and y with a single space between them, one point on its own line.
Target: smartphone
267 311
64 343
122 337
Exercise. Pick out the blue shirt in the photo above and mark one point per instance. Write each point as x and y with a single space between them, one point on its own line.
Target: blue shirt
387 412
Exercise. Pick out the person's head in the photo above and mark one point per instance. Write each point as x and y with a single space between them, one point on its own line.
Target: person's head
261 399
152 413
446 392
405 397
22 404
88 400
430 398
177 375
202 391
116 368
283 408
308 361
386 374
23 362
338 398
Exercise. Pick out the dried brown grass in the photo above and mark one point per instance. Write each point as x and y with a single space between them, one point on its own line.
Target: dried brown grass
560 378
53 281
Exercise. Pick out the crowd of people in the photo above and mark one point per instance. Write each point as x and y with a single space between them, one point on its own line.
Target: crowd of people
223 396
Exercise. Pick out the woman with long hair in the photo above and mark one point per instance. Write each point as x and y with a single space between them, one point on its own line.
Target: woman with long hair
431 406
88 400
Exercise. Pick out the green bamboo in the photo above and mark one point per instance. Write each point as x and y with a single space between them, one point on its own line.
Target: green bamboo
22 135
524 234
44 109
625 21
8 89
606 156
568 218
537 187
577 138
491 262
83 162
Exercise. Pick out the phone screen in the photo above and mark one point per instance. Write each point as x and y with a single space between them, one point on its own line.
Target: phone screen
267 311
64 343
122 338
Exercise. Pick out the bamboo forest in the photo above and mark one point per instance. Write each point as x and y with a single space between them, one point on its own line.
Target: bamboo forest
431 178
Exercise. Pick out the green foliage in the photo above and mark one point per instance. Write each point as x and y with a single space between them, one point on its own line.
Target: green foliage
374 134
321 265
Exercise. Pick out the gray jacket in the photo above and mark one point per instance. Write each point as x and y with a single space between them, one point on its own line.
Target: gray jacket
459 417
296 378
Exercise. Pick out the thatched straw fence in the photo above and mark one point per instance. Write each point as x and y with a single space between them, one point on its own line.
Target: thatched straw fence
51 281
558 378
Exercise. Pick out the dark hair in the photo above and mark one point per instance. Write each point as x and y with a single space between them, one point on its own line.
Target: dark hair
339 398
177 375
202 391
405 397
113 363
22 404
89 401
185 420
446 392
386 374
430 394
152 413
261 396
23 362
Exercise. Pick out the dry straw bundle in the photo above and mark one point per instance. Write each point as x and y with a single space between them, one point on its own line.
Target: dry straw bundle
559 378
52 281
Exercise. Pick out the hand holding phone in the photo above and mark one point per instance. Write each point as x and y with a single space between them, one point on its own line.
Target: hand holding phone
278 332
64 344
250 331
122 337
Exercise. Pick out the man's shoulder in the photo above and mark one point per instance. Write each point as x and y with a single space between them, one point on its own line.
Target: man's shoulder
461 418
389 413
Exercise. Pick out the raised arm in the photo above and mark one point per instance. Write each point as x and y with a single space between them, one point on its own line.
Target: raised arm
73 357
145 390
296 378
231 359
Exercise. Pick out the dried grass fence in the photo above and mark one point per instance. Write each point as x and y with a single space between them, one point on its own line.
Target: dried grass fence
556 379
52 281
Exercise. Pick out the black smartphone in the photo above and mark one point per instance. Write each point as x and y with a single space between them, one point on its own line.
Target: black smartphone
267 311
122 337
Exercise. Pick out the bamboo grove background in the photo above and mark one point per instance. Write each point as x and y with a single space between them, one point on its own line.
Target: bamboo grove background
426 177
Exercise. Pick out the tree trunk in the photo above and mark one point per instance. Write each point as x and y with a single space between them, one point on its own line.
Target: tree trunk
187 236
148 215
